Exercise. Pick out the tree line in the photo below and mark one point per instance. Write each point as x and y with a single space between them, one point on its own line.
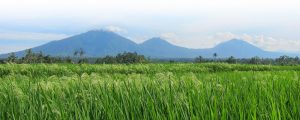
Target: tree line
282 60
124 58
79 57
30 58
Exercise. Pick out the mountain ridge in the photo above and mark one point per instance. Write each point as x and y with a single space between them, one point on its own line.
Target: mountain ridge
99 43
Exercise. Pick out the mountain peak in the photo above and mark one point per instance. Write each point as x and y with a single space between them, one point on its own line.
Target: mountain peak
156 41
236 43
237 47
98 35
240 41
100 31
97 43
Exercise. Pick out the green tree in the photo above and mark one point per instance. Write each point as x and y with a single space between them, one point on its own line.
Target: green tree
83 60
199 59
12 58
106 60
231 60
215 55
282 60
48 59
75 53
80 55
68 60
297 60
81 52
255 60
29 57
129 57
2 61
40 57
123 58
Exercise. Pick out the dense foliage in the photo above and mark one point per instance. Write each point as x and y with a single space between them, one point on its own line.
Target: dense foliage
149 91
133 58
282 60
124 58
33 58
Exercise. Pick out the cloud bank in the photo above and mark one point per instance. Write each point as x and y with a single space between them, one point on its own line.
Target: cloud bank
31 36
270 24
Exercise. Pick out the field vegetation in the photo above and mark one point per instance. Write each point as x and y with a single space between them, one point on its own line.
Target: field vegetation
149 91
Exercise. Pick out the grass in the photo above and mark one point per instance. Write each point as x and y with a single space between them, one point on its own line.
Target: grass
150 91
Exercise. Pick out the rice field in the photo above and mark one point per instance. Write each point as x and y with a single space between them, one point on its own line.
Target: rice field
149 91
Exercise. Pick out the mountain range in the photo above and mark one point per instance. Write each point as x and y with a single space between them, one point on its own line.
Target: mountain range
99 43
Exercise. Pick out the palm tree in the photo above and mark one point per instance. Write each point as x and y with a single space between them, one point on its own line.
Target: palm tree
215 55
29 56
75 53
199 59
12 58
81 52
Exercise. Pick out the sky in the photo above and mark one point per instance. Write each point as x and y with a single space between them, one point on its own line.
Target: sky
273 25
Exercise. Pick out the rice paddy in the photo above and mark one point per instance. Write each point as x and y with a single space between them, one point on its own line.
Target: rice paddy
149 91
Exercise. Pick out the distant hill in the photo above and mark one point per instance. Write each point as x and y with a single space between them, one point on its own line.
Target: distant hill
241 49
101 43
94 44
159 48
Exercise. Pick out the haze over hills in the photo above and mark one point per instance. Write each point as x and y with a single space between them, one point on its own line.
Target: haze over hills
101 43
242 49
159 48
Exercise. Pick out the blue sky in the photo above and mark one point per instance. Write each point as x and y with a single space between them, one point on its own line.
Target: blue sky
273 25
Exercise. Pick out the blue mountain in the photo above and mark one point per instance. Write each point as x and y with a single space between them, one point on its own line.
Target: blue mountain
99 43
94 43
159 48
241 49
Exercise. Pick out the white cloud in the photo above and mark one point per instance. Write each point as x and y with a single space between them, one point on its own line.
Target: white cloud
13 48
168 35
171 37
272 44
31 36
264 42
115 29
25 40
139 38
195 22
209 41
224 36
